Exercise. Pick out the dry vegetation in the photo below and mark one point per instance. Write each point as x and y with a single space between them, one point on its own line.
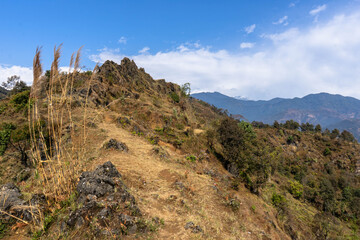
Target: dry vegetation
187 161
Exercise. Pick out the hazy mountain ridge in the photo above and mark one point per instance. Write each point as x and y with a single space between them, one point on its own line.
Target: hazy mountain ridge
328 110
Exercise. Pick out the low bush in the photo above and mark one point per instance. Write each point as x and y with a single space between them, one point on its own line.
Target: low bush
278 200
175 97
20 100
296 189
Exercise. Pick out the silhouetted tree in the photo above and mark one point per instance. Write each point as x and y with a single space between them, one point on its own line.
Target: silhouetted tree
15 85
347 136
335 133
318 128
291 124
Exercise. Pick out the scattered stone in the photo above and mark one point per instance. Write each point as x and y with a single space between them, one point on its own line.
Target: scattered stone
91 125
179 185
211 172
123 121
194 229
189 225
161 152
114 144
197 229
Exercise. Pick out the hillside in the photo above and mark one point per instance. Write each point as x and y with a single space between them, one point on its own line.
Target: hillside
115 154
3 92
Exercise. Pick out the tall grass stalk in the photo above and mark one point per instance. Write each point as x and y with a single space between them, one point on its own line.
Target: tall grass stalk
58 144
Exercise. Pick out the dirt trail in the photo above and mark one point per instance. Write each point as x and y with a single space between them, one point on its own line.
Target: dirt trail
171 190
149 178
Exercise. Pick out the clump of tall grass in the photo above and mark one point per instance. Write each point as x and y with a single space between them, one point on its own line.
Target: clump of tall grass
58 141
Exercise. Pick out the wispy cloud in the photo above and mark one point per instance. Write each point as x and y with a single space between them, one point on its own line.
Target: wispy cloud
323 58
122 40
144 50
247 45
292 5
250 29
317 10
284 36
282 20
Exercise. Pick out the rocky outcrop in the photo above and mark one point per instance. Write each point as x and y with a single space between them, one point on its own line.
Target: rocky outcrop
107 207
13 206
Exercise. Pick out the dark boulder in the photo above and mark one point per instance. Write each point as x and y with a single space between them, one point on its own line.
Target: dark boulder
11 203
107 207
114 144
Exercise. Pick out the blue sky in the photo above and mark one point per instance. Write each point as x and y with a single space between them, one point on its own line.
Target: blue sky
256 49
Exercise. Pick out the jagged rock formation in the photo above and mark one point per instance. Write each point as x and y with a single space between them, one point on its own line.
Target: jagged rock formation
107 207
125 80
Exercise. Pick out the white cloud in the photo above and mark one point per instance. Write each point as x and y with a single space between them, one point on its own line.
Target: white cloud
323 58
292 5
122 40
250 29
25 73
282 20
144 50
317 10
247 45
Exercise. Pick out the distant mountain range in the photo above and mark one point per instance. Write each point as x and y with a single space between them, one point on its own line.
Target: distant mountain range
328 110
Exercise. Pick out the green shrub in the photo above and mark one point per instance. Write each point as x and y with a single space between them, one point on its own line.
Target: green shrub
278 200
248 129
327 152
20 100
159 130
179 126
3 229
253 208
5 135
191 158
3 107
175 97
234 203
290 140
296 189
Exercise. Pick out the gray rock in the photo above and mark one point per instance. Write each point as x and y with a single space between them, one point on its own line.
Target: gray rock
194 229
197 229
11 202
107 169
91 183
114 144
105 199
10 196
189 225
98 182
